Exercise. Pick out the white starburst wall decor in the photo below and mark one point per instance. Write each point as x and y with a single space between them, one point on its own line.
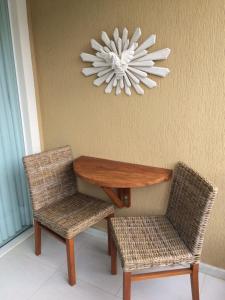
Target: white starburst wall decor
121 63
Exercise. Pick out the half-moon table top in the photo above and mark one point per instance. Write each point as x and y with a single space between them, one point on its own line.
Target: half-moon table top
115 174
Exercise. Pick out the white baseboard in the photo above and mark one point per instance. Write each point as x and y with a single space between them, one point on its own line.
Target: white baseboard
212 271
96 232
204 268
15 242
27 233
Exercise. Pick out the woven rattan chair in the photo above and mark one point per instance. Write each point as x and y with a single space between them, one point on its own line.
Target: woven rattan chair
57 205
173 239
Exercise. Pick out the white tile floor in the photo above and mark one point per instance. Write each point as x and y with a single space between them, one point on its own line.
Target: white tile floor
23 276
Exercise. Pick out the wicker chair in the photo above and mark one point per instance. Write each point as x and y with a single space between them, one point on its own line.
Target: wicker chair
173 239
57 205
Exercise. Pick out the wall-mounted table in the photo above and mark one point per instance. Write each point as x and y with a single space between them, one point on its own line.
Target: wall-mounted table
117 178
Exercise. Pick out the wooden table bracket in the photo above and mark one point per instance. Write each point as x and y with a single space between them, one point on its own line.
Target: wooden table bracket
121 197
125 195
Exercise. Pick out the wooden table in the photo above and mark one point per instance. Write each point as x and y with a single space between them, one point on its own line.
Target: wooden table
117 178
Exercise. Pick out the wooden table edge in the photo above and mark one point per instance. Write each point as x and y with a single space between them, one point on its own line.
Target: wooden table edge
123 191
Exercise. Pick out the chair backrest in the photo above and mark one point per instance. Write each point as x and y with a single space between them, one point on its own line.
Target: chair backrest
190 203
50 176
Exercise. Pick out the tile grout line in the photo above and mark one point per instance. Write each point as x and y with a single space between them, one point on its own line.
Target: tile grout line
203 284
91 284
42 284
95 286
87 282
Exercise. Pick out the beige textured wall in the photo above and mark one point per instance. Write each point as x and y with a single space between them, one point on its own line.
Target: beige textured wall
183 119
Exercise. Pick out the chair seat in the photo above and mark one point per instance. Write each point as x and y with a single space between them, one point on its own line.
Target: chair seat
145 242
72 215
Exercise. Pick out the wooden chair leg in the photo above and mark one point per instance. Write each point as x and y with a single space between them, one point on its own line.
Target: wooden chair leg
113 257
126 285
194 282
71 261
109 233
37 237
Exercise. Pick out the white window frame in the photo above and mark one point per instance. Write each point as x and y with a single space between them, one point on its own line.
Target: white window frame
24 72
26 88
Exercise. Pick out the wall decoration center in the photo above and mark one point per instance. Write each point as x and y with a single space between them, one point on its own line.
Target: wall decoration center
121 63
